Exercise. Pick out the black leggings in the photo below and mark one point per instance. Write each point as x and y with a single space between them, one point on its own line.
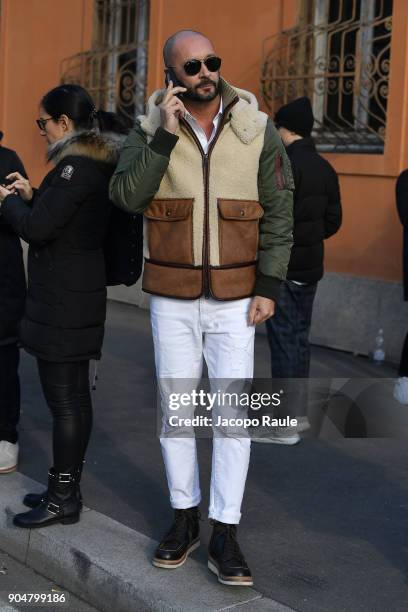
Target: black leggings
66 389
9 392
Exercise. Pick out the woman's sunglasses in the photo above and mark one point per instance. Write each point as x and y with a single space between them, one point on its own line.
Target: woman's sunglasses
193 67
42 123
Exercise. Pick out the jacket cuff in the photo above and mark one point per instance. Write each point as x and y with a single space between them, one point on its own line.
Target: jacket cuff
7 201
10 206
163 142
267 286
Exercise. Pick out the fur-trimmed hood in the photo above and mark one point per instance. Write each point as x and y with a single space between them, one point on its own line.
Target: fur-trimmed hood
100 146
247 121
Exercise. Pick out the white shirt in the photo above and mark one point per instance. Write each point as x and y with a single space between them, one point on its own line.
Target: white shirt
198 130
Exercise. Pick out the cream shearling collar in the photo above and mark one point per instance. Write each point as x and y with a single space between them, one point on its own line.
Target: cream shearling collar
247 121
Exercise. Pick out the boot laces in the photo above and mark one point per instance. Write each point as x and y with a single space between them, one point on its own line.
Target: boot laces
232 551
182 521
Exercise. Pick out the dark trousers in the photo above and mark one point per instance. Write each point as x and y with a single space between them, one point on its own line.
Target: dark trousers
403 368
9 392
288 334
66 390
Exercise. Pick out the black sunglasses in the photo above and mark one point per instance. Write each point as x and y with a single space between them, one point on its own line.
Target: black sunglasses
193 67
42 123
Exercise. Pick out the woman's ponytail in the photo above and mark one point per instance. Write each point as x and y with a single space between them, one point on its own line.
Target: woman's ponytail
75 102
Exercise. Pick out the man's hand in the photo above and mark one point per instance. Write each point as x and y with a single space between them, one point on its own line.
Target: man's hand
22 185
261 309
171 108
4 193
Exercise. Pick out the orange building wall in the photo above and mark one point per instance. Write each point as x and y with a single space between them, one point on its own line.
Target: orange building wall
369 242
36 35
237 29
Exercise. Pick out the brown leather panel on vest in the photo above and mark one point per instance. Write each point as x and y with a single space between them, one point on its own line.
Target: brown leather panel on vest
238 230
233 283
240 210
170 230
172 282
170 209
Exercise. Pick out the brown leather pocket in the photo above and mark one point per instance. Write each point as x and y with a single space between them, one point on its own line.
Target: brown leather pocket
233 283
171 281
238 230
170 231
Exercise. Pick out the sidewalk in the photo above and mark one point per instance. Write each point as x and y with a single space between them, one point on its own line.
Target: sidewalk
16 578
324 523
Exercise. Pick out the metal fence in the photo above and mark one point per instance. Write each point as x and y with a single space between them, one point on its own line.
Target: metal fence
114 70
339 56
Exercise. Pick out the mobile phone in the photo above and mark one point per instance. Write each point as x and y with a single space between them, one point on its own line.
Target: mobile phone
170 76
6 182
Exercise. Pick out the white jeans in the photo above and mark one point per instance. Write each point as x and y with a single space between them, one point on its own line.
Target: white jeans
183 332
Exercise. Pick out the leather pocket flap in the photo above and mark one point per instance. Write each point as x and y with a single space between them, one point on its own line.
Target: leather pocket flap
169 210
240 210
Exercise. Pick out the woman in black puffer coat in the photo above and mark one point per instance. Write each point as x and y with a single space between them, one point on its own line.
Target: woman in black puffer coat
65 223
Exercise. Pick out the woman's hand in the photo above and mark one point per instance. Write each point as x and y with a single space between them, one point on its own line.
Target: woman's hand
4 193
21 185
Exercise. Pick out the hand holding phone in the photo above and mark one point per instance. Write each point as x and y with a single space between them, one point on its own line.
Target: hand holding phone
172 78
171 107
5 182
4 192
19 184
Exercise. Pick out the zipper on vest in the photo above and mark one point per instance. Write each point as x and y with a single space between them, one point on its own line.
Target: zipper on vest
205 283
206 269
206 178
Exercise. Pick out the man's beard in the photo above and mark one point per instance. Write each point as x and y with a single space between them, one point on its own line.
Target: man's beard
194 95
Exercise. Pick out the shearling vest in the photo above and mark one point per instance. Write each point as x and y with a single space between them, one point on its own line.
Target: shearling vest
201 229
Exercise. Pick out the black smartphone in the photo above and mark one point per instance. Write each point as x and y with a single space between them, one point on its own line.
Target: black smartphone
170 76
6 182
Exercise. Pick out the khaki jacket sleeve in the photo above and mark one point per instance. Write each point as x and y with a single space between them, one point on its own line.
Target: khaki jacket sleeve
275 186
140 169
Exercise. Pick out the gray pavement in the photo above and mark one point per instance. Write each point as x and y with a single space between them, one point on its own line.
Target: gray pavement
324 523
108 564
18 579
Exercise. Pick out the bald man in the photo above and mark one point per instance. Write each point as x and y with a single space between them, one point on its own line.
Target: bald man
210 174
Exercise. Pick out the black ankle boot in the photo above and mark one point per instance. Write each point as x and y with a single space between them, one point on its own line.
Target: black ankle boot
32 500
180 541
60 505
225 558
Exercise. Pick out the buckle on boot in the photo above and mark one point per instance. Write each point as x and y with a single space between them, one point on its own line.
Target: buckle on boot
64 478
56 506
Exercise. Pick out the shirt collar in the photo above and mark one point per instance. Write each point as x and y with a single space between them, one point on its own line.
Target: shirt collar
216 118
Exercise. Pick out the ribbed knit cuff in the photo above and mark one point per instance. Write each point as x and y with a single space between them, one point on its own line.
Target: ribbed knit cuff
267 286
163 142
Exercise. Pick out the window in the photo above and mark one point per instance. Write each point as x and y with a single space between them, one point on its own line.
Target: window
114 71
339 56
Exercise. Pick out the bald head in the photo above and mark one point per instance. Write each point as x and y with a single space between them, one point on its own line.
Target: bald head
179 44
186 47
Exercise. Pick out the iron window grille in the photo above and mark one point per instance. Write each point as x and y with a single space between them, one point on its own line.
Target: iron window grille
339 56
114 71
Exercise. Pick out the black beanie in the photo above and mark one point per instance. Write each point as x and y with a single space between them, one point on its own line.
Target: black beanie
297 116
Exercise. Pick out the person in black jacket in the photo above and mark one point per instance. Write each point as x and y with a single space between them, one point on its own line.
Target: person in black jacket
12 296
317 216
401 385
65 223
